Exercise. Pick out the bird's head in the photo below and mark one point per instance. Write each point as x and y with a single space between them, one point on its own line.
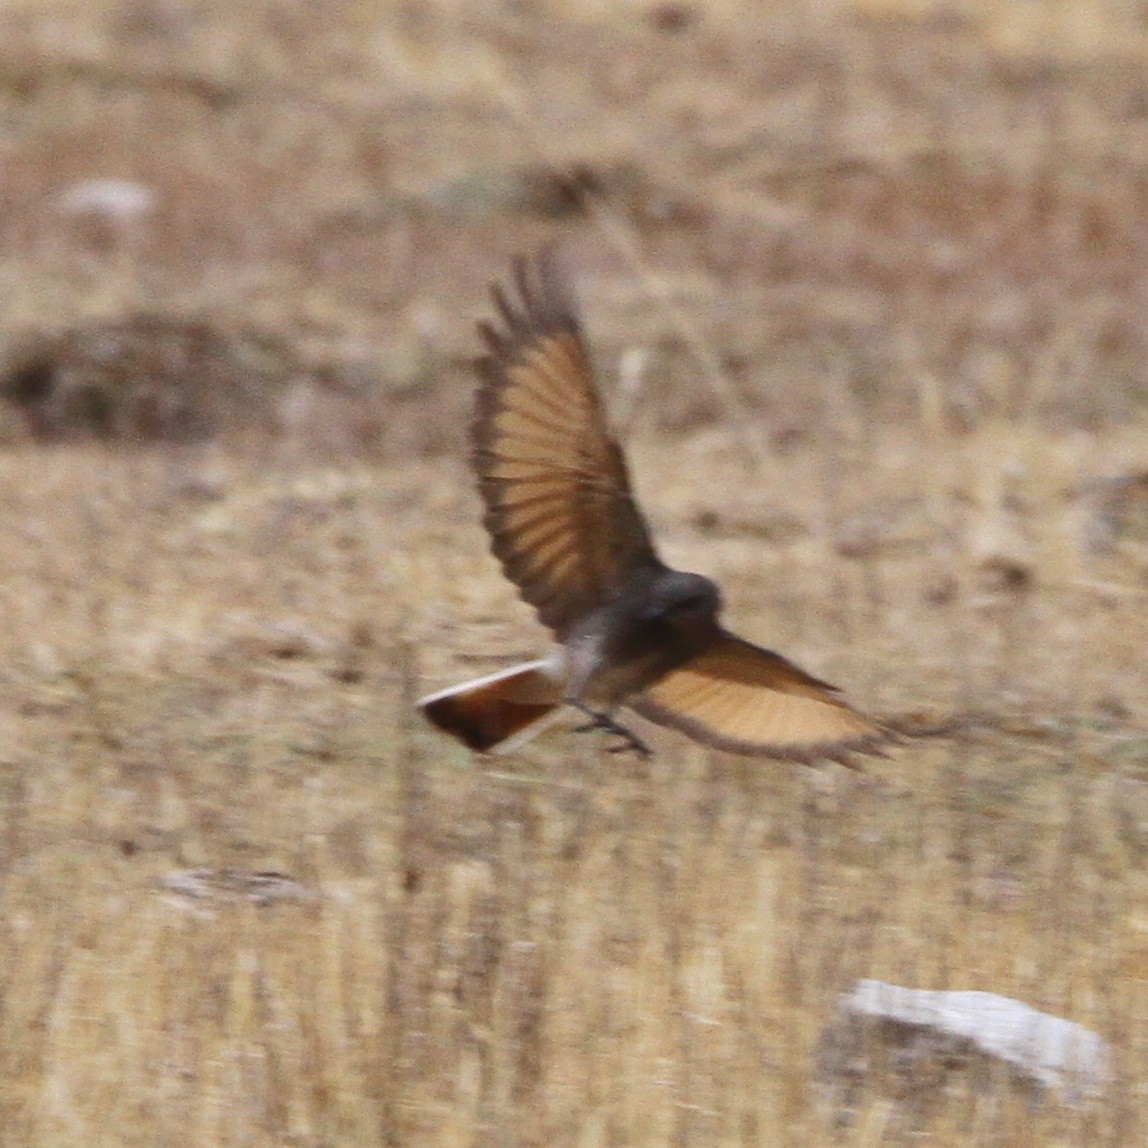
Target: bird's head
685 601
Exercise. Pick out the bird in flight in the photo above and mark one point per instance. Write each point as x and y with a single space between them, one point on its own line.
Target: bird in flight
564 524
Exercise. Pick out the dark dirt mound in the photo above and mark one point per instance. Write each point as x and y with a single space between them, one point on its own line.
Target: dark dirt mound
151 378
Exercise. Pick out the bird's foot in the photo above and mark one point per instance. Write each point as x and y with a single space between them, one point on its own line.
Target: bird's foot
603 721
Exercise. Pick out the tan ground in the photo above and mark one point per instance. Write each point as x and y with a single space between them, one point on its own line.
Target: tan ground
868 282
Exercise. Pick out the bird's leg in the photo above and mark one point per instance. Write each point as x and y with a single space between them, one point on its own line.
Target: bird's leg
599 719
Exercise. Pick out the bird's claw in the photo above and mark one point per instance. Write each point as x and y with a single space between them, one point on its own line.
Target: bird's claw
603 721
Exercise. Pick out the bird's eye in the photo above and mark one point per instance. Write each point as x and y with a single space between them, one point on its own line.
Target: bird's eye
693 602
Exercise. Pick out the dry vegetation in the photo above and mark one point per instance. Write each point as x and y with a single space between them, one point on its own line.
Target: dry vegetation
873 277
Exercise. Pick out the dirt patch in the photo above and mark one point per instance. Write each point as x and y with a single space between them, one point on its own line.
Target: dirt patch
146 379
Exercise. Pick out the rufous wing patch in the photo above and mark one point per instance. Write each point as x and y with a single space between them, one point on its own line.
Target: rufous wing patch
739 697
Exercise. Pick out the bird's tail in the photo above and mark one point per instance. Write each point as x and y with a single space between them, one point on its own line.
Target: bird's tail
501 711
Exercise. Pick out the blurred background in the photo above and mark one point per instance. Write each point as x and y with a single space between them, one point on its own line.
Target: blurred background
904 188
866 281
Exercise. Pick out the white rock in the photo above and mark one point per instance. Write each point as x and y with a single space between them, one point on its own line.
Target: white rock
120 199
1048 1050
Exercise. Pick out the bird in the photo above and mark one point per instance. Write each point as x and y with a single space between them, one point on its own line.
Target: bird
631 632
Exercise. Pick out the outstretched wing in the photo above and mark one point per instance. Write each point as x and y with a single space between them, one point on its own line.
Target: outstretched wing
561 517
739 697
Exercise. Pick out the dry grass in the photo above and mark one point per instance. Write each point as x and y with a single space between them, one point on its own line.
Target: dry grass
875 276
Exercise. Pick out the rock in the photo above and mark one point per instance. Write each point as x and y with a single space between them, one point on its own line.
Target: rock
234 885
122 200
916 1025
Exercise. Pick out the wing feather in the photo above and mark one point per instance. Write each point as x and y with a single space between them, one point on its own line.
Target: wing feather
739 697
559 509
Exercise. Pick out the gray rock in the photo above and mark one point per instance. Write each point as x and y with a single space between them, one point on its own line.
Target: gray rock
1041 1049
